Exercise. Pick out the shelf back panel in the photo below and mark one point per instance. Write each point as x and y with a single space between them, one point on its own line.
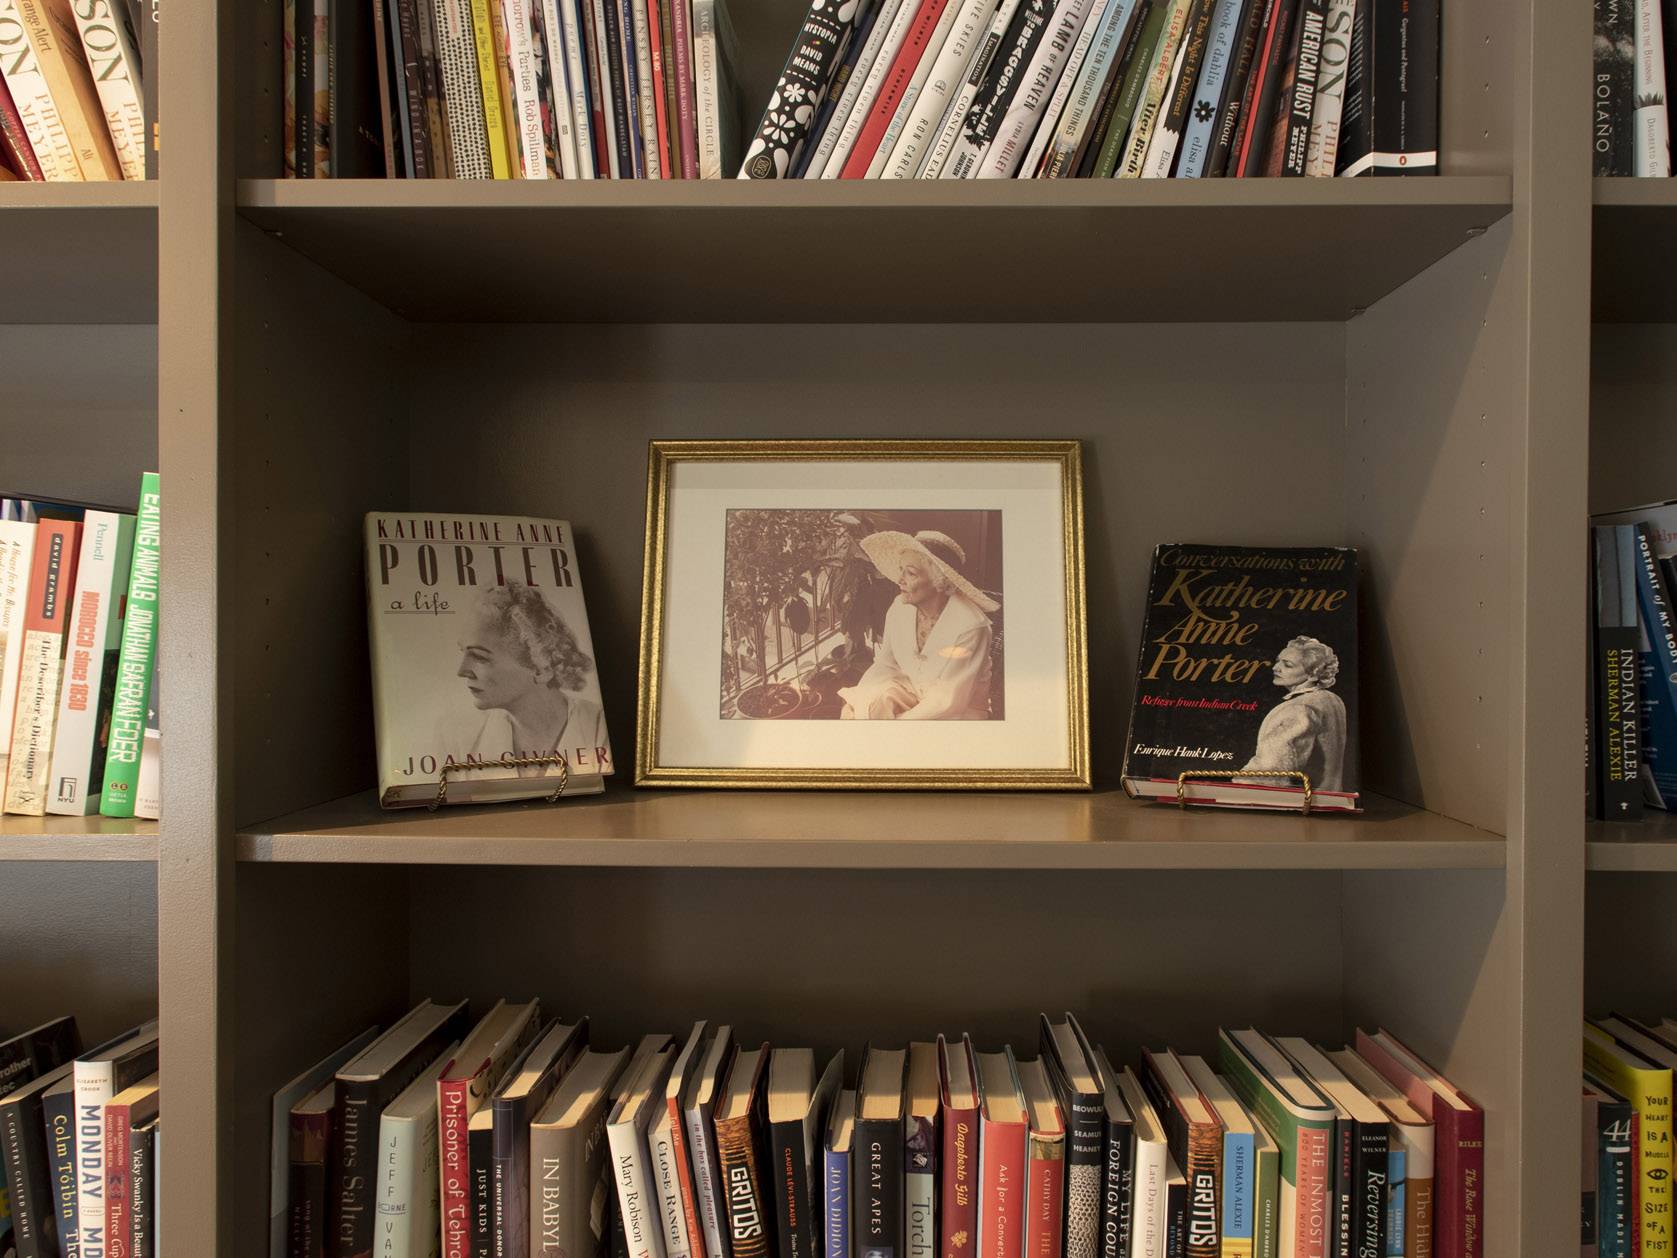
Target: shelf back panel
1633 396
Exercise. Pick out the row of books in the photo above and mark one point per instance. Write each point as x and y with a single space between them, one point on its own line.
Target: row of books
79 730
1631 712
1627 1136
1630 126
510 89
999 89
75 101
517 1137
80 1132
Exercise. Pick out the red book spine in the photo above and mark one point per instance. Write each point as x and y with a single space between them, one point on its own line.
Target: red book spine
1002 1191
1460 1135
687 125
1046 1215
892 87
14 139
684 1177
455 1206
118 1209
660 111
958 1194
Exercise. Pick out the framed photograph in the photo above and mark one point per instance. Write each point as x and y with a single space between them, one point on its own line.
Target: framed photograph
863 615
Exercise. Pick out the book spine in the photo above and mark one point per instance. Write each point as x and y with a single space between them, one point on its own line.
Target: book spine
489 89
630 105
876 24
480 1195
785 1156
1037 105
636 1200
920 1150
318 98
1396 1190
1198 136
1657 677
1617 684
91 658
1230 116
1176 1218
1342 1196
1203 1171
58 1119
511 1206
108 41
52 578
1262 89
392 131
1369 1178
658 40
1266 1213
638 30
620 103
434 110
1312 1193
309 1139
136 658
958 1198
300 90
351 1204
1459 1198
566 41
118 1209
1239 1198
1001 82
748 1228
51 31
1155 82
876 1223
468 141
681 28
835 1186
1132 71
708 1184
453 1204
142 1193
26 1182
14 138
148 787
1045 1199
1322 155
1616 1192
947 133
1173 111
530 157
893 88
1296 101
150 12
678 1242
1612 87
599 89
1067 108
1117 1192
46 130
888 38
1001 1200
951 58
94 1087
683 1159
416 143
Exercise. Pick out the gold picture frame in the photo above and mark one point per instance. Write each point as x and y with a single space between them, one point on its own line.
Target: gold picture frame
667 458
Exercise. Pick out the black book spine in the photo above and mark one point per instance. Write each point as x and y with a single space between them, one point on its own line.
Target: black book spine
357 131
1356 117
355 1163
1085 1158
1406 87
1369 1178
1112 92
1612 88
1617 681
1616 1194
621 103
876 1189
1299 103
150 15
142 1190
28 1178
1176 1219
305 1196
867 14
1240 70
512 1213
302 39
480 1190
1196 31
1001 82
1270 72
411 75
58 1124
790 1179
1340 1209
1118 1191
1592 754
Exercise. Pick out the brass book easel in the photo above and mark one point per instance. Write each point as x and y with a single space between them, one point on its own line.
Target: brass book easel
1182 780
505 762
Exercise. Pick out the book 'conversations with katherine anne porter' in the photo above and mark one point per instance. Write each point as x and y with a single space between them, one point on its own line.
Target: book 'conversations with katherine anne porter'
1247 681
481 655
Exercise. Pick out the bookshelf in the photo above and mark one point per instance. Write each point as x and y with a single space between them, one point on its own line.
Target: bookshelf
1404 366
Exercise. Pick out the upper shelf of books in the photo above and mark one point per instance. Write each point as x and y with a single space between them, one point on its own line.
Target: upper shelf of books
864 250
88 252
727 829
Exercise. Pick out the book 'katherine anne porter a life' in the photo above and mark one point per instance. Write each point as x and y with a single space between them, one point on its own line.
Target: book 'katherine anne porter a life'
1248 676
481 655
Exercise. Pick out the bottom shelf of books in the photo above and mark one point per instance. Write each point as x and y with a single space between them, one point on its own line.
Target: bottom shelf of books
1383 993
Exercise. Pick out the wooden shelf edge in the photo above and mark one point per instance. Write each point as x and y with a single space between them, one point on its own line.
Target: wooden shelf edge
1618 191
134 846
118 195
1647 846
734 830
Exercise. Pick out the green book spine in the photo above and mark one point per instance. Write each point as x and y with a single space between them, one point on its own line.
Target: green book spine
1267 1194
134 664
1112 148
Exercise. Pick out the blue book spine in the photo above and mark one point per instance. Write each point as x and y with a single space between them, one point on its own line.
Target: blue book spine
1208 94
1397 1172
631 91
1614 1192
835 1199
1658 666
1239 1186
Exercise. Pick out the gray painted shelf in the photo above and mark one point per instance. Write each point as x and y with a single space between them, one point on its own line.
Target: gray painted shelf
79 252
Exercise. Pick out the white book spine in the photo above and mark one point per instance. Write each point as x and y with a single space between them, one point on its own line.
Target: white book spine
406 1204
954 59
32 724
642 1226
1158 82
526 98
1074 124
950 132
41 120
889 46
850 102
706 89
662 1148
468 136
705 1180
886 152
920 1218
94 1086
1047 119
108 44
1152 1172
148 785
559 85
17 548
567 18
602 80
95 634
1653 128
1322 151
1161 149
645 89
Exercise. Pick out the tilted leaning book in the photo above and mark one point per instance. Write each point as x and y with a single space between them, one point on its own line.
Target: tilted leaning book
483 665
1246 692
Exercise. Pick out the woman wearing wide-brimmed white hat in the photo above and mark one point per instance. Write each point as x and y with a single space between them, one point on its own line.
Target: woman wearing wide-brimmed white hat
932 662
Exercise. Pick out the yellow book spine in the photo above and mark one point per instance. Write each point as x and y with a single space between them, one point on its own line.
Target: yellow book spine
489 80
1649 1094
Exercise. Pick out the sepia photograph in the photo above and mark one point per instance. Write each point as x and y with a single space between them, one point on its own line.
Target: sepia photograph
862 614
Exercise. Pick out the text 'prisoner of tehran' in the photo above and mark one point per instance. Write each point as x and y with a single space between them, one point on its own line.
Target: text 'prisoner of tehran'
1305 732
